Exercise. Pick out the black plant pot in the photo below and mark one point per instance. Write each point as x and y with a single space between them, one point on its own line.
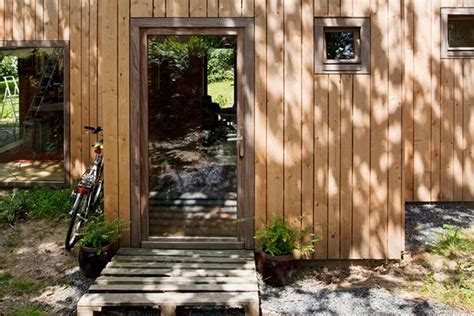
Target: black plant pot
92 263
276 270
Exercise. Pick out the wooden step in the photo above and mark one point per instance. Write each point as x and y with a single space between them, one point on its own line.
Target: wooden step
167 278
168 301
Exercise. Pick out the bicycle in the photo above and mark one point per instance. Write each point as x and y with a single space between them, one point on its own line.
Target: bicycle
88 193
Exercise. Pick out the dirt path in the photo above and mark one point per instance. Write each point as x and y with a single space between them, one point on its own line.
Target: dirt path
36 273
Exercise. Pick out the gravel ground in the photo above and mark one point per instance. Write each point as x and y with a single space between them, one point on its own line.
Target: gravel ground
423 222
308 296
311 294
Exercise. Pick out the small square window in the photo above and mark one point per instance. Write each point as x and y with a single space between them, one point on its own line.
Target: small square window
342 45
457 29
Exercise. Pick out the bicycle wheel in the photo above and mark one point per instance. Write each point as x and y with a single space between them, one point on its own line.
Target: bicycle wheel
78 219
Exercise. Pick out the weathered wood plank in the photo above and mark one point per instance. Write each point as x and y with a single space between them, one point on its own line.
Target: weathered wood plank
468 168
435 102
197 8
261 113
124 118
248 8
243 287
2 19
182 265
334 7
18 21
177 8
144 299
212 8
307 117
458 141
275 109
230 8
188 253
51 20
361 168
121 258
379 124
321 164
175 280
177 272
447 128
292 112
65 17
85 80
422 102
93 60
108 99
334 171
408 123
346 187
9 15
76 93
141 8
29 11
321 7
159 8
396 204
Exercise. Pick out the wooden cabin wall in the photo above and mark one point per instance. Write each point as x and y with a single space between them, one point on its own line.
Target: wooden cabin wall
99 85
329 148
439 110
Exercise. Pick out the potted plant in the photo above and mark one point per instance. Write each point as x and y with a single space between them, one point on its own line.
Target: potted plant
279 243
97 245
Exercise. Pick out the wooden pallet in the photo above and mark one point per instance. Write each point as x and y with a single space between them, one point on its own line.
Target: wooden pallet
167 278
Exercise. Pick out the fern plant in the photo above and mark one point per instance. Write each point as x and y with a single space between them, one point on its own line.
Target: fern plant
280 239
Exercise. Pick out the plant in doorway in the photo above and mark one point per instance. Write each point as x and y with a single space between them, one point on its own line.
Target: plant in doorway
280 244
97 245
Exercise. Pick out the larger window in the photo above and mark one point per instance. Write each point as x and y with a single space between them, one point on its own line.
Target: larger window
33 94
457 30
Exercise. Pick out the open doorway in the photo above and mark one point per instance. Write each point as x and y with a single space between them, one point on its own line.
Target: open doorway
192 129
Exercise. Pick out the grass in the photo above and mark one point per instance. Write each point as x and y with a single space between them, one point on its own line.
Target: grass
454 284
17 286
222 92
29 311
38 203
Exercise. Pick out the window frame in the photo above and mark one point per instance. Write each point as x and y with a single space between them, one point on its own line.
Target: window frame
67 180
446 50
360 64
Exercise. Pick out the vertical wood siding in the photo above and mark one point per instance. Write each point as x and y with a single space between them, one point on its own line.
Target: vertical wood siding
332 152
438 118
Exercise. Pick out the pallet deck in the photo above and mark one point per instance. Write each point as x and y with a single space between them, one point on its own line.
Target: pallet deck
167 278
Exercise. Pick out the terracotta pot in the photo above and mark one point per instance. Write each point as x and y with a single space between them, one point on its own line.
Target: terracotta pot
276 270
92 263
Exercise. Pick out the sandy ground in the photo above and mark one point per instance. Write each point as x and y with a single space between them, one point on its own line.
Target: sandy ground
33 251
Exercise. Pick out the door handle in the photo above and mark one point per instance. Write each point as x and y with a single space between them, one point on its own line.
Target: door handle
240 138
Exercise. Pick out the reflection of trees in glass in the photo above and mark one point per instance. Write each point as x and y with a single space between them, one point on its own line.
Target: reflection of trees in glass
461 31
340 45
176 52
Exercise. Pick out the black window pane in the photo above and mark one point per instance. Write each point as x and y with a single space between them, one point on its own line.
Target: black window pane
340 45
461 31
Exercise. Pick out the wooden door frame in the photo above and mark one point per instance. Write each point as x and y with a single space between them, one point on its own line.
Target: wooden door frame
244 28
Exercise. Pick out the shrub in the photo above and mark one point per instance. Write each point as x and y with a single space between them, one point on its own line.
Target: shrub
99 233
279 239
9 66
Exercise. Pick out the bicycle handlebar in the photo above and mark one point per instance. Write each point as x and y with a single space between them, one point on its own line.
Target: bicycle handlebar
93 130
